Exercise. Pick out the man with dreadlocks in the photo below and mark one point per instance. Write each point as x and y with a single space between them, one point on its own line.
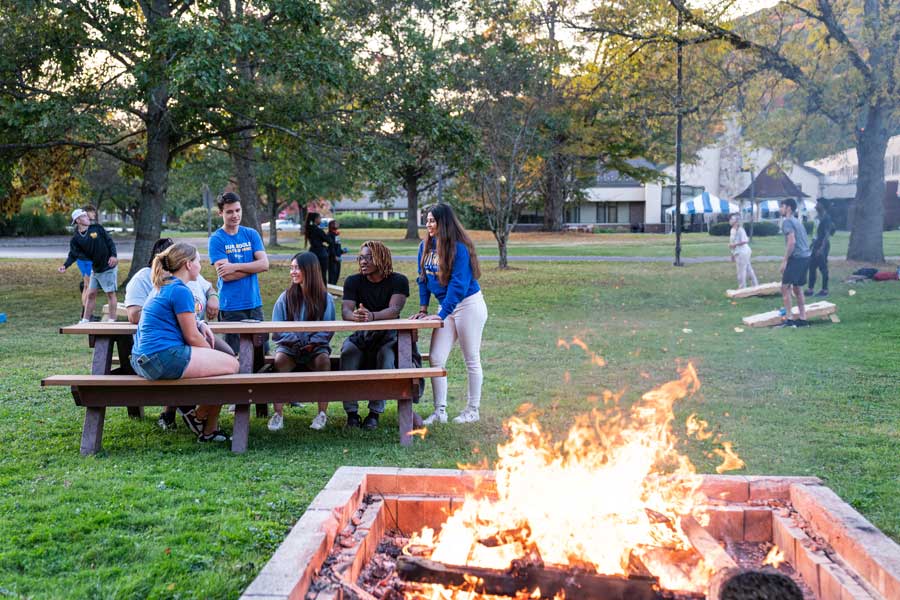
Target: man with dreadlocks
374 294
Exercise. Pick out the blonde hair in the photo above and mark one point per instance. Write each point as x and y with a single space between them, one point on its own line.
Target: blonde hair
170 260
381 257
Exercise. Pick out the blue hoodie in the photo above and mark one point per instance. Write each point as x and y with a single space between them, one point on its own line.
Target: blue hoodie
279 313
461 285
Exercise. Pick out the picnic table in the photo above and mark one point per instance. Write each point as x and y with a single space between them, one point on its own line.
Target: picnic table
107 386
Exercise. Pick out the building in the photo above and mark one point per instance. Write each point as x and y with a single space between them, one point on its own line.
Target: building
367 204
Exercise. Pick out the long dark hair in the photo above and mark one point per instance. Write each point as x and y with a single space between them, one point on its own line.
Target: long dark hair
449 231
308 224
312 293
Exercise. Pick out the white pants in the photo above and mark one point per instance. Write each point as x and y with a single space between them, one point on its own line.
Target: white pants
744 270
465 323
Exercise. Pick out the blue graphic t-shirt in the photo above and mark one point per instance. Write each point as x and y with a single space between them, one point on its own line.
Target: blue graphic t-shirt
158 328
238 248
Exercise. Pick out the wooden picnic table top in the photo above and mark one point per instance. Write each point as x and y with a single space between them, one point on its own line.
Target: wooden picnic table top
265 326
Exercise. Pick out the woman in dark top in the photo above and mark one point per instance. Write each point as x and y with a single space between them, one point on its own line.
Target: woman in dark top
335 250
317 241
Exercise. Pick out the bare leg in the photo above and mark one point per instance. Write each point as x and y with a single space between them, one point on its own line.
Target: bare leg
283 364
206 362
87 288
113 305
89 304
210 414
801 301
786 299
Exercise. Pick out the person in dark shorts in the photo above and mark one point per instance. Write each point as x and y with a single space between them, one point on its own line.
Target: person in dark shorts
238 255
376 293
305 300
820 248
794 265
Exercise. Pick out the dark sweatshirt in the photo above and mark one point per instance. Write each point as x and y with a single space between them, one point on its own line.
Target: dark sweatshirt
94 244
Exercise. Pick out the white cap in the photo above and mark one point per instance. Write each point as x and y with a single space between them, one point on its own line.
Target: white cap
77 213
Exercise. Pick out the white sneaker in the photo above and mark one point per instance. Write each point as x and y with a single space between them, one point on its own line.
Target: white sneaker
438 416
469 415
110 321
84 321
319 422
276 423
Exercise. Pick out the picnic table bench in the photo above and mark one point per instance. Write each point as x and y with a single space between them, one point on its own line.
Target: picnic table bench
108 387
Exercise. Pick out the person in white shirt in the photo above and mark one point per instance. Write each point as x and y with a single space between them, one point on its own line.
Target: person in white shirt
740 253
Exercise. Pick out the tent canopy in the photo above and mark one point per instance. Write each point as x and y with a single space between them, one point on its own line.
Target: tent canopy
705 203
772 183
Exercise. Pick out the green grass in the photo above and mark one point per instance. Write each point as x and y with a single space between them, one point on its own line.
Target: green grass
156 515
570 244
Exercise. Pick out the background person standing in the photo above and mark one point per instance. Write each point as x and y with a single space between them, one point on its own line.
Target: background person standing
238 254
794 265
92 241
740 252
820 249
335 250
317 241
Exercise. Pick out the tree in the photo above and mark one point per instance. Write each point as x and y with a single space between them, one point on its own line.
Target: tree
164 68
417 134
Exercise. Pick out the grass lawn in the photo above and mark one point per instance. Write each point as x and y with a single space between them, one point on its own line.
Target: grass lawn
578 244
156 515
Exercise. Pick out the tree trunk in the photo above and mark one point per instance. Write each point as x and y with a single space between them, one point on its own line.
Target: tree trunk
148 217
411 185
272 200
242 156
554 192
866 244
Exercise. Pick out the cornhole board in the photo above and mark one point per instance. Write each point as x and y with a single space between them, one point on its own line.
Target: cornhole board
816 310
121 311
763 289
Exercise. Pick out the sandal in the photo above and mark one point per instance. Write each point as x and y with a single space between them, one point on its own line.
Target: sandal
216 436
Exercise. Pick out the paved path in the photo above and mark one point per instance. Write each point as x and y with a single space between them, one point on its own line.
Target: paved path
58 247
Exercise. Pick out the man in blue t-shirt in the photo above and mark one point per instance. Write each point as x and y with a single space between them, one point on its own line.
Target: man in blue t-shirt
238 254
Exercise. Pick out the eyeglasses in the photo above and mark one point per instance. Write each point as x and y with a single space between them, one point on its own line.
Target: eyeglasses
364 258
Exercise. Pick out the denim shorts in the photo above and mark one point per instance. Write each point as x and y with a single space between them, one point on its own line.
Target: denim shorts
85 266
165 364
106 280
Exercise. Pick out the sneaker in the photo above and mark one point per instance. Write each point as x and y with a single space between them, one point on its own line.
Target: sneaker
353 420
276 422
215 436
438 416
319 422
84 321
822 294
193 423
801 323
809 292
785 323
166 420
371 421
469 415
110 321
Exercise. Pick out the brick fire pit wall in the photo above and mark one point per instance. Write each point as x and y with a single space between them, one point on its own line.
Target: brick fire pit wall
838 553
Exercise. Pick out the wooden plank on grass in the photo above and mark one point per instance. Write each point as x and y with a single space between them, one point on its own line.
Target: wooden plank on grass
816 310
763 289
121 311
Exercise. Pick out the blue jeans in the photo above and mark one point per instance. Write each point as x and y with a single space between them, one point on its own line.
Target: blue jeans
165 364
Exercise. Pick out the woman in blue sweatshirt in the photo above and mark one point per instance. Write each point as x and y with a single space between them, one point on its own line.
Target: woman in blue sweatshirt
306 300
448 269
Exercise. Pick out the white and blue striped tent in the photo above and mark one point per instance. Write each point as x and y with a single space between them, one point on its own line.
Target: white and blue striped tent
769 209
705 204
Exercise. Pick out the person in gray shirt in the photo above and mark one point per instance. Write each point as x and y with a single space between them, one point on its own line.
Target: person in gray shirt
794 265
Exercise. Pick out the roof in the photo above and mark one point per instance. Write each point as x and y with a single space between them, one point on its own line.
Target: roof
771 184
369 202
613 178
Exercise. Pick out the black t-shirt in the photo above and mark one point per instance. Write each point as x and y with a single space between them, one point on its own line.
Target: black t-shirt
375 296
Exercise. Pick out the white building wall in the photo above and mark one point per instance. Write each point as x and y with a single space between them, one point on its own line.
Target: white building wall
652 203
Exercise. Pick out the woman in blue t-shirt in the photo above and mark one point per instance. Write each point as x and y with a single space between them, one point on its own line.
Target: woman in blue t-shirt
305 300
448 268
169 344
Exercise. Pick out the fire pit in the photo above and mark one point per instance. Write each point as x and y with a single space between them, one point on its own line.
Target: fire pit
613 511
833 551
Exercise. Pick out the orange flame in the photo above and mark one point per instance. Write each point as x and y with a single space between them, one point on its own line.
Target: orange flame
595 358
775 557
730 460
614 488
697 428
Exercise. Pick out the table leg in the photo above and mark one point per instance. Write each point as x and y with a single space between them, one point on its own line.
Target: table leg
405 420
259 361
92 434
102 362
241 431
124 344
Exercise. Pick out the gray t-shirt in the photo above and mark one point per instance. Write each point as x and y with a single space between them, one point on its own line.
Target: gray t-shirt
140 289
801 242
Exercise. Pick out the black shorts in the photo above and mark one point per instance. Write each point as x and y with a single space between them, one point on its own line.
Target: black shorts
796 271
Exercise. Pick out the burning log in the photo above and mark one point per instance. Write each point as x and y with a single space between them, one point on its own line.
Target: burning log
530 577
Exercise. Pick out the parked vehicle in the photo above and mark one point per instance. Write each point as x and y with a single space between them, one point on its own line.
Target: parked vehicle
282 225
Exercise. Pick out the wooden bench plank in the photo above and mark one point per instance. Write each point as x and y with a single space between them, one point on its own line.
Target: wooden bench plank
123 328
244 379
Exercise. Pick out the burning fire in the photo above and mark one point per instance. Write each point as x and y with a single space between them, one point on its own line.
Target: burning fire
614 489
775 557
